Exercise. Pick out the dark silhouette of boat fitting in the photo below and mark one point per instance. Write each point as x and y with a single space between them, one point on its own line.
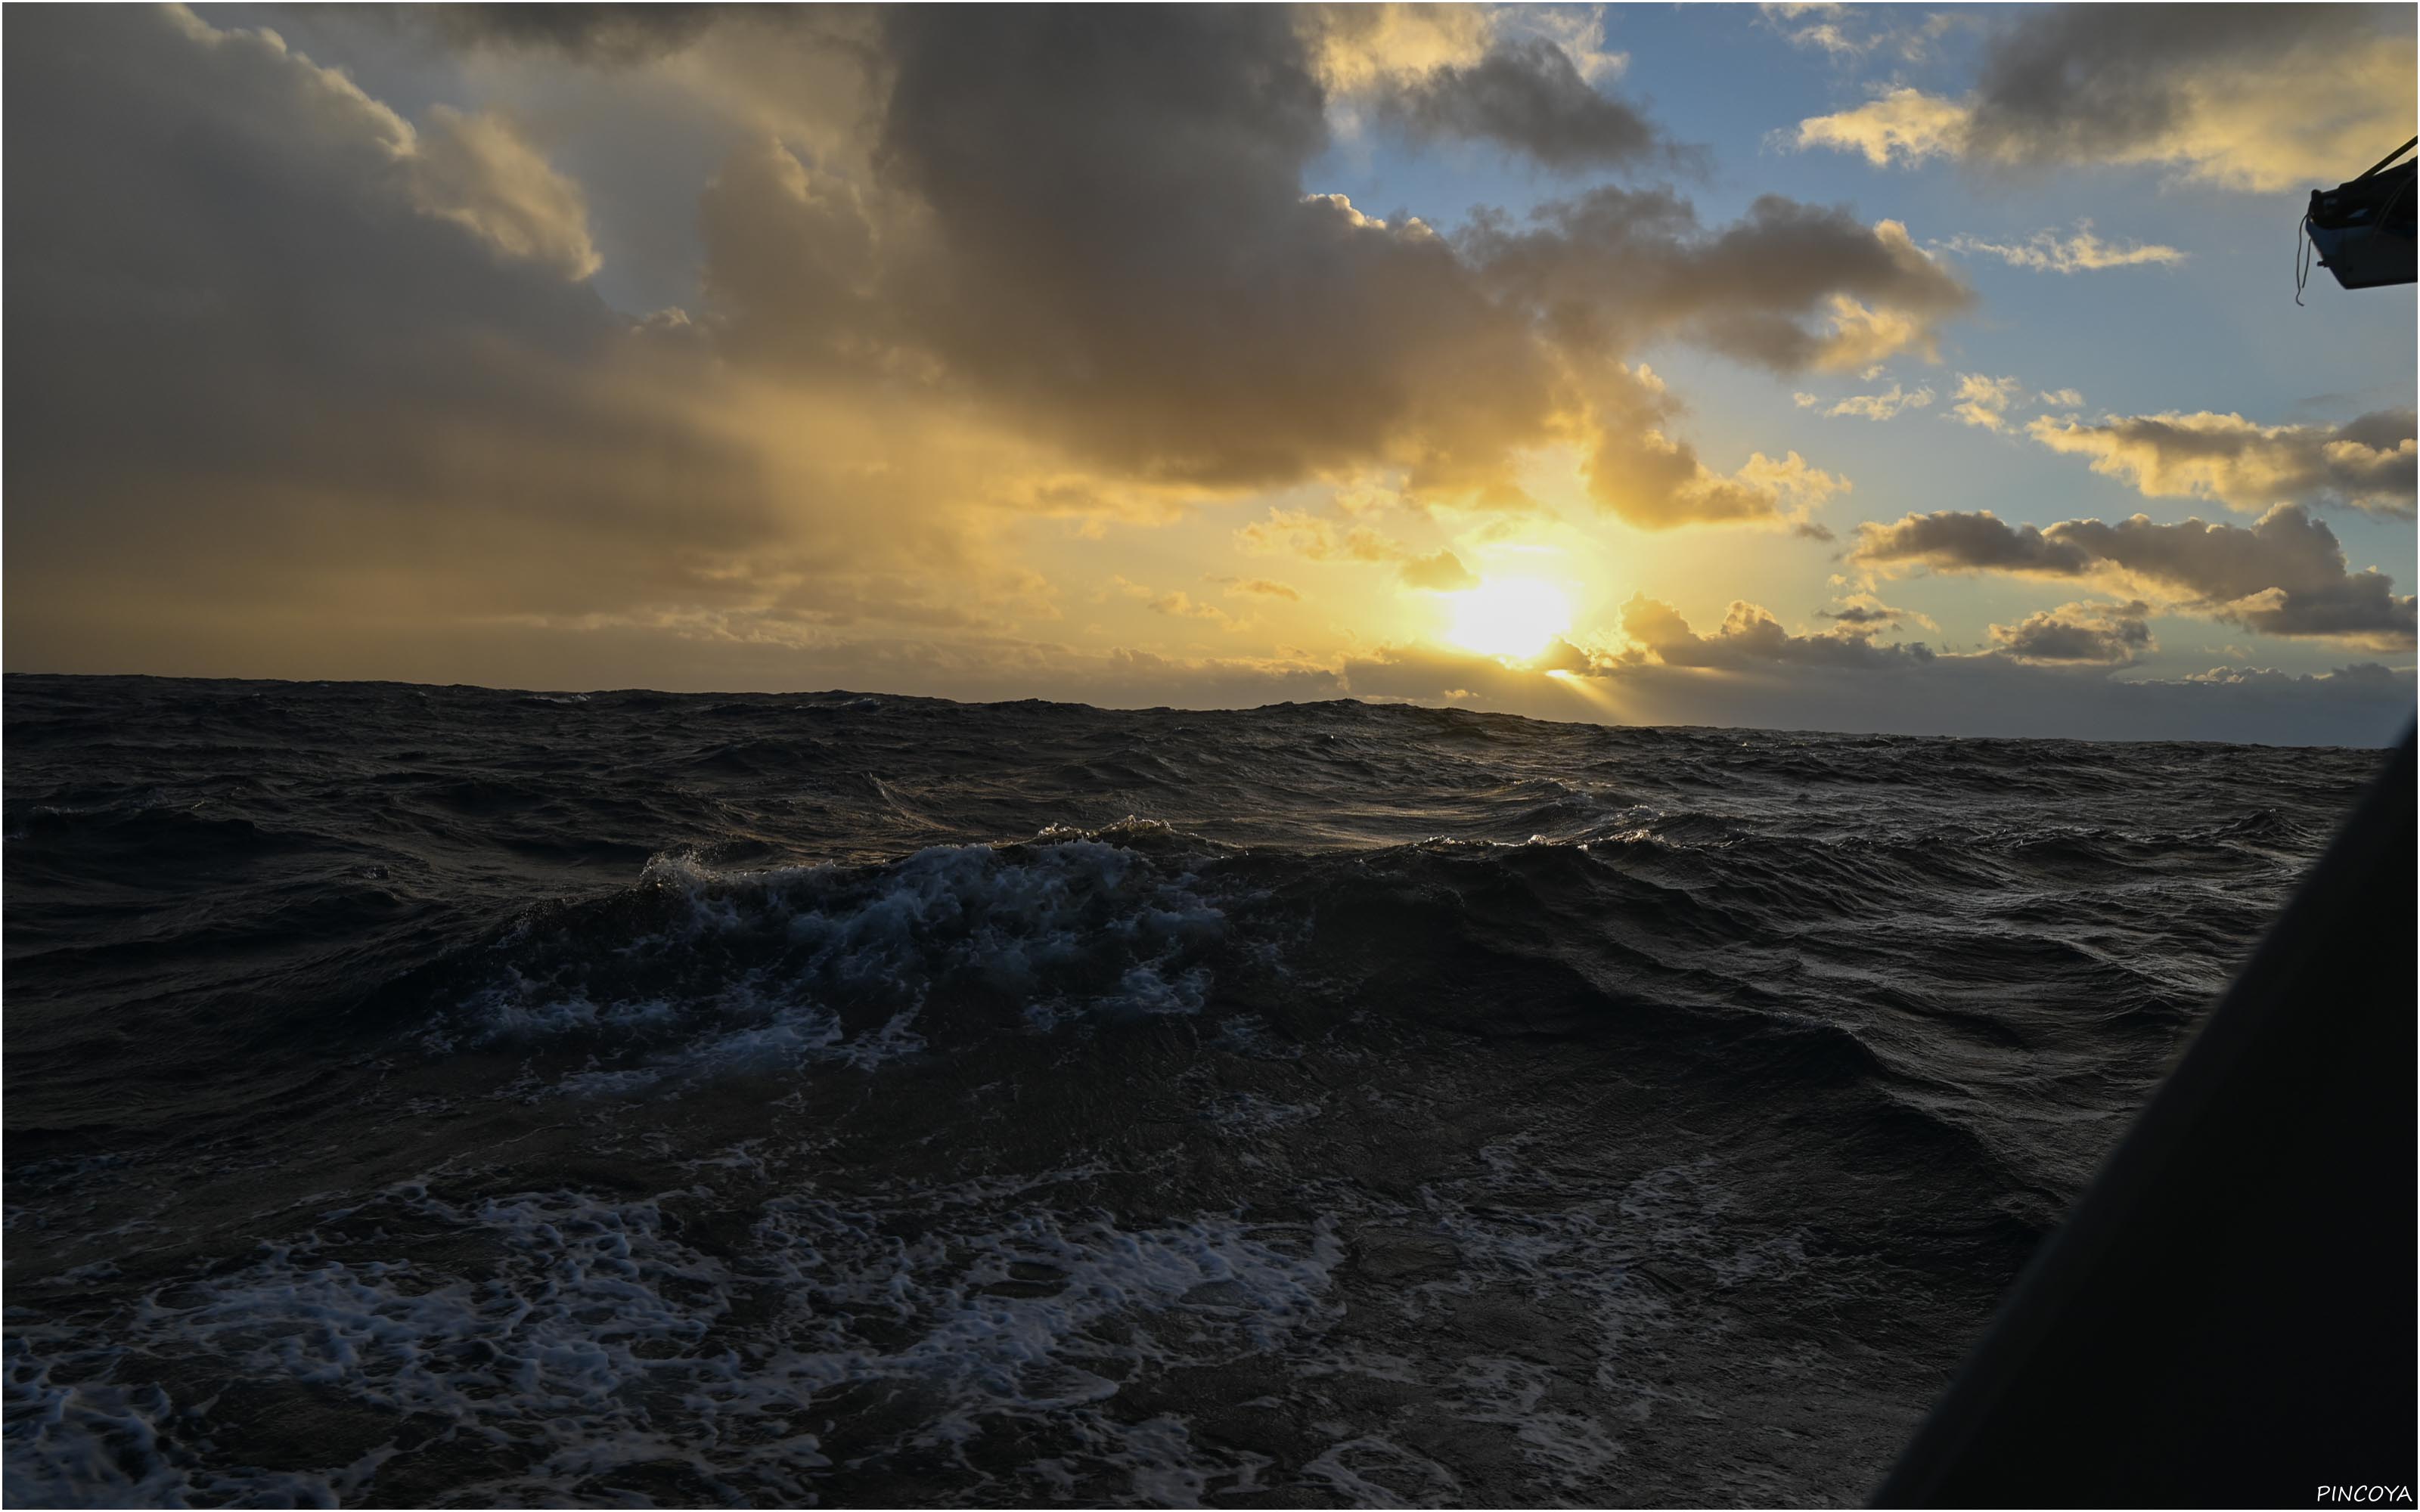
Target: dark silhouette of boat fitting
2363 228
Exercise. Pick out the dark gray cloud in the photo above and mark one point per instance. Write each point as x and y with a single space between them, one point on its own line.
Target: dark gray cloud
1097 220
1093 223
1615 267
2087 82
604 34
2258 96
2285 574
310 369
253 291
1523 93
1955 541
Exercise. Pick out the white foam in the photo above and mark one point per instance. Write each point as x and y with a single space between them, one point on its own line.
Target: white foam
576 1336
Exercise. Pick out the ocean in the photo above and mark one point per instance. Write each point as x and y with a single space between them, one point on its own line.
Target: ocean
441 1096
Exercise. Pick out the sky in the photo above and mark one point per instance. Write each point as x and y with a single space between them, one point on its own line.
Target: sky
1932 371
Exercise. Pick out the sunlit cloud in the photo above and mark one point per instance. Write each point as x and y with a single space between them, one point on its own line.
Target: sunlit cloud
1897 400
2082 251
1984 401
2367 464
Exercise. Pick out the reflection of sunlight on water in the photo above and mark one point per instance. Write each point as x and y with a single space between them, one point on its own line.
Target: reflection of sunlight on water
1516 617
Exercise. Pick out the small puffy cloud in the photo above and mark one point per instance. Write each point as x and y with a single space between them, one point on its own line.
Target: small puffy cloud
2254 97
1824 28
1904 124
2367 464
2097 634
1985 401
2061 398
2286 575
1441 572
2047 252
1846 33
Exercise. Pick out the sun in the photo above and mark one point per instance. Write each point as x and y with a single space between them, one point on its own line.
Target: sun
1510 617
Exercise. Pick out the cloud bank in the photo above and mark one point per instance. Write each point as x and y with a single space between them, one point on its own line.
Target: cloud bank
2285 574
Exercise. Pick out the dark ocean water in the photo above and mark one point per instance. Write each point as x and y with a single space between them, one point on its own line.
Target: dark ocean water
443 1096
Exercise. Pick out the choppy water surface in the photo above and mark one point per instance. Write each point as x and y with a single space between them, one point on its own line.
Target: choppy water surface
441 1096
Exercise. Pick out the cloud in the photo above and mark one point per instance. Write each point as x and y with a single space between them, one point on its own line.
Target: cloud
1752 636
2252 96
1182 605
2047 251
1819 26
1884 406
1523 93
1173 351
1526 79
2105 634
616 35
477 171
1901 124
2286 575
1655 482
1985 401
296 351
1866 611
1788 286
1313 538
1439 573
1299 532
1847 33
1263 587
2367 463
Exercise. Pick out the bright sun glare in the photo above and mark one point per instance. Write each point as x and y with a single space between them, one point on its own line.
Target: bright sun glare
1516 617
